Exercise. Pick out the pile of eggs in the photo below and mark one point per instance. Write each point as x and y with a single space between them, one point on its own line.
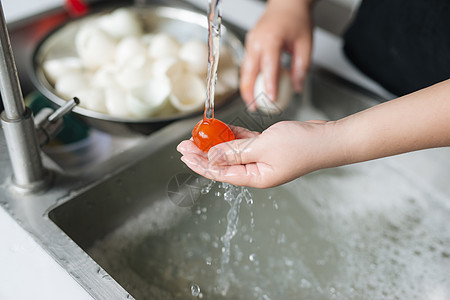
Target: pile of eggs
122 71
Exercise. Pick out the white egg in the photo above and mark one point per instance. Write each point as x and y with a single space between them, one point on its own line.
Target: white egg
120 23
195 54
227 81
70 83
94 46
163 44
229 77
188 93
284 94
129 48
221 89
55 68
169 66
93 99
149 98
135 73
146 39
105 76
115 102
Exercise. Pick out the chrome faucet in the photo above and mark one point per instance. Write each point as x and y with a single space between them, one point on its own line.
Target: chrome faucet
22 137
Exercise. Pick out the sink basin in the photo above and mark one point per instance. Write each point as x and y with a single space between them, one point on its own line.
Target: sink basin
371 230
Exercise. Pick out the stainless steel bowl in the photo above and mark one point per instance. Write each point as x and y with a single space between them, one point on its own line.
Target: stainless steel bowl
181 23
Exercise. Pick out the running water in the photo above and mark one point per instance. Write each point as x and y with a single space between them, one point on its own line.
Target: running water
214 24
233 195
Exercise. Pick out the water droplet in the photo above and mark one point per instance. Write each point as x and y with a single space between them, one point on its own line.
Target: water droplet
208 261
275 205
281 238
253 258
218 194
195 290
205 237
288 262
304 284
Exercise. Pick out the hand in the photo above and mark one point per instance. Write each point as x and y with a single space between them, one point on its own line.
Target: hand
286 25
280 154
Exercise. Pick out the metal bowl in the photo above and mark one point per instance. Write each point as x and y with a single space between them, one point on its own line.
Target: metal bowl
181 23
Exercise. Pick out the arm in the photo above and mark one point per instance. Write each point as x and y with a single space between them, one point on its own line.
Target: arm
291 149
285 25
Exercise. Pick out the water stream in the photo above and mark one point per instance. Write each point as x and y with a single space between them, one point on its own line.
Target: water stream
214 25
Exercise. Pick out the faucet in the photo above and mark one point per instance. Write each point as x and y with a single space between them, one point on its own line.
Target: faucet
23 137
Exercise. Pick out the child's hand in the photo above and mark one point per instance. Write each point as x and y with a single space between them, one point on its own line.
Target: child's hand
286 25
280 154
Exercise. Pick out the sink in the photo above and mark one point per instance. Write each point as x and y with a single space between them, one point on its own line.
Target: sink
372 230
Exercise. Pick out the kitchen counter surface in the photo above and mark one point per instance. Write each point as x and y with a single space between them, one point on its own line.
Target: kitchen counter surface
26 270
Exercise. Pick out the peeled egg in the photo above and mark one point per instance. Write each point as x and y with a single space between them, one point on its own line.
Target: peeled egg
69 84
115 102
55 68
229 77
129 48
284 94
94 46
163 44
227 81
92 99
195 54
105 76
120 23
149 98
169 66
188 93
146 39
135 73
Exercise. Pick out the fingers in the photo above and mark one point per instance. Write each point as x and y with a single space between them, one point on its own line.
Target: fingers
270 67
237 152
243 175
300 63
188 146
243 133
201 165
249 70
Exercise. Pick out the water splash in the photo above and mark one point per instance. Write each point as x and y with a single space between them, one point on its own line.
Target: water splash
233 195
195 290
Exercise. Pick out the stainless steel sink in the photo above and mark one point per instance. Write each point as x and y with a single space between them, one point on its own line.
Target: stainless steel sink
352 232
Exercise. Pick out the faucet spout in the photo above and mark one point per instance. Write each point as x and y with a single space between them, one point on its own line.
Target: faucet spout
29 173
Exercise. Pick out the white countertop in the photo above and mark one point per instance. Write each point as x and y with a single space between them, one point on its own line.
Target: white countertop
26 270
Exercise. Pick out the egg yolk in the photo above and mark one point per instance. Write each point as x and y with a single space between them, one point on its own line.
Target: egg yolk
210 132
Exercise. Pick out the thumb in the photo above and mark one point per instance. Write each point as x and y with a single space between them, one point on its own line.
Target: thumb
236 152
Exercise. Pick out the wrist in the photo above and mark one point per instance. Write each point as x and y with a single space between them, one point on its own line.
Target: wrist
335 150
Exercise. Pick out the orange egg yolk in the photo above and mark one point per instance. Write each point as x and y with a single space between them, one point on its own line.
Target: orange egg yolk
210 132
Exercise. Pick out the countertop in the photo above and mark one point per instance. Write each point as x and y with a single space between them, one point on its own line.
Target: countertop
26 270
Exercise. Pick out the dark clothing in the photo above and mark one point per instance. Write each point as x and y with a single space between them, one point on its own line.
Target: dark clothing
402 44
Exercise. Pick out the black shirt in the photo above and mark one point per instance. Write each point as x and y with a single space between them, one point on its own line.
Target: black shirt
402 44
